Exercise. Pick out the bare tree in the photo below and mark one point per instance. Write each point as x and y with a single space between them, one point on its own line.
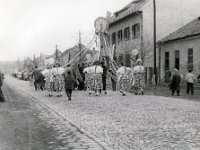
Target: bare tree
145 50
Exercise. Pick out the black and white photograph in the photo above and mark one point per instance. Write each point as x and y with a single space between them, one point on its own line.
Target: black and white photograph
99 74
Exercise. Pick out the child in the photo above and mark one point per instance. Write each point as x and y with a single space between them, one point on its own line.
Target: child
69 83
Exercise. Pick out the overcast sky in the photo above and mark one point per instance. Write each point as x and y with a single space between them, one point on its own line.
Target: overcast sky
29 27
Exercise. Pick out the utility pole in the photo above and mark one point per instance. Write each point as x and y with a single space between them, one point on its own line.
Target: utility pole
154 38
79 44
18 61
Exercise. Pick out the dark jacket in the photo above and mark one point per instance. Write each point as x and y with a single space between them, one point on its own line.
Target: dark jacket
69 81
175 82
104 75
36 74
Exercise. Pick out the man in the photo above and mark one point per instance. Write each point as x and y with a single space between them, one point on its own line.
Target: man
175 82
104 76
69 83
1 93
81 83
36 76
190 82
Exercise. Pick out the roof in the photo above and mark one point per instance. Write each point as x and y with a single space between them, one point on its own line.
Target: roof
189 30
75 48
129 9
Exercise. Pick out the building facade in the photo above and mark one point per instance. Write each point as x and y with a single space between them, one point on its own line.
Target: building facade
132 27
181 50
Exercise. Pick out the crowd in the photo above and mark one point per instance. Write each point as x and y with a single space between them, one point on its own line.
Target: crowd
93 78
88 77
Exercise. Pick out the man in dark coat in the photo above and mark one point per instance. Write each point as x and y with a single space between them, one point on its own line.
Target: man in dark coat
175 82
36 75
69 83
81 83
1 93
104 76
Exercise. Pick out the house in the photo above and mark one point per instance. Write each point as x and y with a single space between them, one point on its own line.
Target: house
181 49
132 28
70 53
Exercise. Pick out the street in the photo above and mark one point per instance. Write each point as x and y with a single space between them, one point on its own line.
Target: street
130 122
27 125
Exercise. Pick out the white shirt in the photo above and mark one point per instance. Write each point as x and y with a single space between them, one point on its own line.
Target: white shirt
190 78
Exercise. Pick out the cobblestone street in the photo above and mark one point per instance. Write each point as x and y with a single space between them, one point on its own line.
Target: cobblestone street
25 124
131 122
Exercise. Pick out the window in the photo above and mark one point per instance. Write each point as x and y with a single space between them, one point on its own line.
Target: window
190 59
166 60
136 30
113 38
126 33
119 36
177 59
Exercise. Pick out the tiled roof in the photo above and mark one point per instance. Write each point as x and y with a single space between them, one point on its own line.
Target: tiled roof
75 48
129 9
190 29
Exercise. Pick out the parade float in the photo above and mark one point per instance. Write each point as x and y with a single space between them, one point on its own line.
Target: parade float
124 76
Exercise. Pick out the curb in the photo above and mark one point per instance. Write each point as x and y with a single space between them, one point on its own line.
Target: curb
89 134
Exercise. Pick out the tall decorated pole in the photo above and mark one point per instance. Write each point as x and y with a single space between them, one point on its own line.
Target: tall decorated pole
100 25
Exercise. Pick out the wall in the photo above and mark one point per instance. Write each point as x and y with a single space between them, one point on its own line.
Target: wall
125 47
183 46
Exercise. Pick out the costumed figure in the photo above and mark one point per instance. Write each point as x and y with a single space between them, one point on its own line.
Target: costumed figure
93 78
123 78
58 79
48 74
137 78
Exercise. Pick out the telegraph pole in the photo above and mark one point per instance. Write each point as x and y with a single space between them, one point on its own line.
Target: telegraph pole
79 43
154 39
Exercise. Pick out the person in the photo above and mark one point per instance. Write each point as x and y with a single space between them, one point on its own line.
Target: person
58 79
104 76
69 83
48 74
167 76
113 78
190 82
122 78
175 82
1 93
41 81
138 78
81 83
36 76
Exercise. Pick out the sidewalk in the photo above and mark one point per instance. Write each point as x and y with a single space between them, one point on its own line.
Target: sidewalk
130 122
164 91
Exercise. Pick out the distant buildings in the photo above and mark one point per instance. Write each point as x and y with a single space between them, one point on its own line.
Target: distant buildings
70 53
181 49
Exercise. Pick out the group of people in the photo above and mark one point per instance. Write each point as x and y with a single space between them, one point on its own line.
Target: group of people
131 77
176 81
55 79
91 77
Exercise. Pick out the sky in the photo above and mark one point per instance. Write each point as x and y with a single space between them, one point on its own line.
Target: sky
29 27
